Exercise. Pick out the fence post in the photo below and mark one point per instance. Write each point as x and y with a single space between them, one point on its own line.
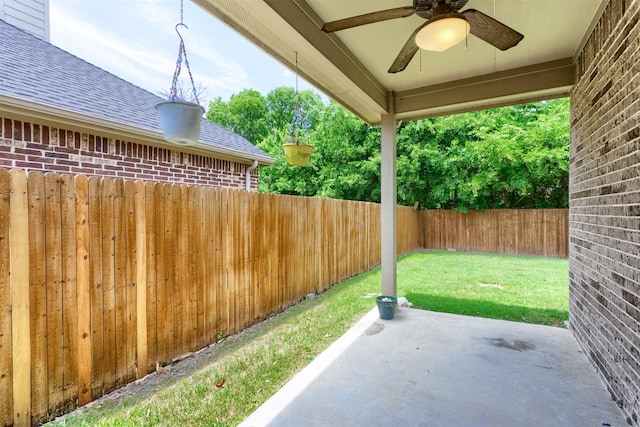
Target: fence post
19 284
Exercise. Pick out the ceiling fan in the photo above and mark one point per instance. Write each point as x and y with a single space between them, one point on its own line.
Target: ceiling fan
444 28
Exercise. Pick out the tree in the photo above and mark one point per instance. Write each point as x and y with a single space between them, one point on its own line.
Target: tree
348 156
244 114
512 157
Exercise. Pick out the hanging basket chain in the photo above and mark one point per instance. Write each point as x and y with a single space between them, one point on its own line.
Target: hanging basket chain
297 121
182 51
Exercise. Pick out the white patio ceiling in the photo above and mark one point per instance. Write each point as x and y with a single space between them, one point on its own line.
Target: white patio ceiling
351 65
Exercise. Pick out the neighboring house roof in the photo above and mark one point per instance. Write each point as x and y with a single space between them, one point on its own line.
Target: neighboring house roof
36 71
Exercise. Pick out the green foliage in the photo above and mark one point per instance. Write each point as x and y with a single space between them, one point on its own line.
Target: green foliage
512 157
245 114
347 157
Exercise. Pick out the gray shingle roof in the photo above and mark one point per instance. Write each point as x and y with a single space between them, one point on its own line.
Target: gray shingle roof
34 70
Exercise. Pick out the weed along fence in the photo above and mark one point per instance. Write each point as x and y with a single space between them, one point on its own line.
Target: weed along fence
507 231
100 279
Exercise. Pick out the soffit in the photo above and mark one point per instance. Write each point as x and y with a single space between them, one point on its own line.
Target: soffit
351 66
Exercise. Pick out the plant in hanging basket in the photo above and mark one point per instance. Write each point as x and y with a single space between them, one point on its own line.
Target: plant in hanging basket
181 114
180 117
297 154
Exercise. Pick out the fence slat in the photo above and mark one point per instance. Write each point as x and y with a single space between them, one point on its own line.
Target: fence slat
6 365
172 228
189 259
19 284
151 231
140 275
83 290
209 268
217 272
69 293
185 282
96 287
198 265
53 247
38 295
131 282
120 284
161 194
109 284
226 294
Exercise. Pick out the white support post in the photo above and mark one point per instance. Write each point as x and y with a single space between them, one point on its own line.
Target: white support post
389 221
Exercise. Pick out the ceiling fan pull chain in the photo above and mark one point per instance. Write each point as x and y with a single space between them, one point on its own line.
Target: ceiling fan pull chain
420 61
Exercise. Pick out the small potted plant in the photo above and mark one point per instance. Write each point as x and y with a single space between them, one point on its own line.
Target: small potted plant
387 305
181 114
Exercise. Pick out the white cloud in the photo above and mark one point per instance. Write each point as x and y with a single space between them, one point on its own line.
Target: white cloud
137 42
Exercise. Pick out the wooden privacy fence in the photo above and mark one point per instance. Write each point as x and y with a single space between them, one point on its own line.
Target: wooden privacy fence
506 231
102 278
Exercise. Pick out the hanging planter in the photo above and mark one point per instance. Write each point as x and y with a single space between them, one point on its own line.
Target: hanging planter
181 114
295 153
180 121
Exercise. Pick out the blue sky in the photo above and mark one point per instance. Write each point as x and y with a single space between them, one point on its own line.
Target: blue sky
136 41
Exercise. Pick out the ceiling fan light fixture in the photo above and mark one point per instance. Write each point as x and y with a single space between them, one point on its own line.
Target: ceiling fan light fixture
442 32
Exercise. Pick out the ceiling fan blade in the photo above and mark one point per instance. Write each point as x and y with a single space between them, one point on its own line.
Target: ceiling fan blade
368 18
406 54
458 4
493 32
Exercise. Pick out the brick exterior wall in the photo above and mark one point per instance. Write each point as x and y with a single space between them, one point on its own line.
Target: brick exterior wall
604 208
38 147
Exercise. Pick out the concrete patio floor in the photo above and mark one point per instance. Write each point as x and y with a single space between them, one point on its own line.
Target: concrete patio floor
434 369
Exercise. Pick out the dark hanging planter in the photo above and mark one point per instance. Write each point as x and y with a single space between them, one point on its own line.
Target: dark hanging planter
181 114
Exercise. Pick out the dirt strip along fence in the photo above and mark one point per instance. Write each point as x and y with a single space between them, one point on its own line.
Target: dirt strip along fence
543 232
100 279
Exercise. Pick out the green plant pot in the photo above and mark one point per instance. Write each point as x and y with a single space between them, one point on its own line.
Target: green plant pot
297 154
386 306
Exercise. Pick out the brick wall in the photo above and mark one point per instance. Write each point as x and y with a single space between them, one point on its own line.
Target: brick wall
604 208
37 147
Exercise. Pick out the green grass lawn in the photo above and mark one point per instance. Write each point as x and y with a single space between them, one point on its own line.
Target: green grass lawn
522 289
245 370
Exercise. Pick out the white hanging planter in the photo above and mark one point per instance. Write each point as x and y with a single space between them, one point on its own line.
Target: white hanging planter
181 114
180 121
